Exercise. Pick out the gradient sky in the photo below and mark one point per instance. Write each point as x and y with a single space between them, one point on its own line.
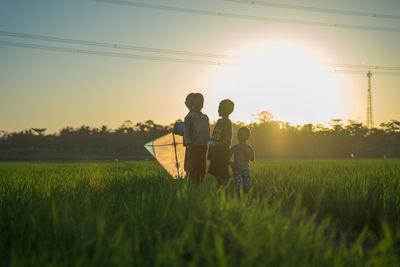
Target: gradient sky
51 90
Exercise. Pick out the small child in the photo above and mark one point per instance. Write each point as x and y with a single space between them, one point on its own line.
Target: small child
196 137
219 154
242 153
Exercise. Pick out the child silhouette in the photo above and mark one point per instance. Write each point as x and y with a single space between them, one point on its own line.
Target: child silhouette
195 138
242 153
219 152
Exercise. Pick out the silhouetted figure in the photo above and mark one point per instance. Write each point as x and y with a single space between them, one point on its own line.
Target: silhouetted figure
196 137
219 153
242 153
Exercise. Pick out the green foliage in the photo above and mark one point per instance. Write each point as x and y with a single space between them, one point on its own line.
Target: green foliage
272 139
299 213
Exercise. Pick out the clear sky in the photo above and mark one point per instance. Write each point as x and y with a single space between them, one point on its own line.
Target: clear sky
278 68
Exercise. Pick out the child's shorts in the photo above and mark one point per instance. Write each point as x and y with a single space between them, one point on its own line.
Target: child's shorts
196 160
219 167
219 162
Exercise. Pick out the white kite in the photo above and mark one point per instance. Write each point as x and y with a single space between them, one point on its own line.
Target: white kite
169 151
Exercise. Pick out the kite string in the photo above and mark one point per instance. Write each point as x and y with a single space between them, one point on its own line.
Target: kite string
172 144
176 156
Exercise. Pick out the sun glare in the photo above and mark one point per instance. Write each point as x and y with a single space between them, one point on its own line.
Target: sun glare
289 82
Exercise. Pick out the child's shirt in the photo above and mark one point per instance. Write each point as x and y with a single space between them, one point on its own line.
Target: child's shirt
223 132
197 129
222 136
240 157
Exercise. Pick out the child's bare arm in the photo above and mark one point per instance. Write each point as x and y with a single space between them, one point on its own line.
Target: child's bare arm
252 154
251 157
248 151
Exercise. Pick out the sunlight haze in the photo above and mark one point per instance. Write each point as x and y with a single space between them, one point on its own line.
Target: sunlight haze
277 67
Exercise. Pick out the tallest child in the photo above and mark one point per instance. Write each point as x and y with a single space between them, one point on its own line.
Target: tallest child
196 137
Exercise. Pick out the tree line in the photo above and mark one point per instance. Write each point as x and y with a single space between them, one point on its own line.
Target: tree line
270 138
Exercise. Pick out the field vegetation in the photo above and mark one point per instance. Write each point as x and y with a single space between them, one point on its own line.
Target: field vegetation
299 213
273 139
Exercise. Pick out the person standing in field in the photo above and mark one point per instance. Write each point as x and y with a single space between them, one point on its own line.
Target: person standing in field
219 154
195 138
242 153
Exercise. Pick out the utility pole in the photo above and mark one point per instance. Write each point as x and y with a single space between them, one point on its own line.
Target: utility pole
370 121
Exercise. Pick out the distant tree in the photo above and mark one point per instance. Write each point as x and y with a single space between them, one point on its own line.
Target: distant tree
263 116
356 128
271 139
336 124
307 128
392 126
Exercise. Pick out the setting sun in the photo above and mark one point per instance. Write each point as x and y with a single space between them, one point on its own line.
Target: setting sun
283 79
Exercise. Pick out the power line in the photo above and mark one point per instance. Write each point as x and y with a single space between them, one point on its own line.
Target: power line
358 72
109 54
168 51
366 67
190 61
112 45
247 17
317 9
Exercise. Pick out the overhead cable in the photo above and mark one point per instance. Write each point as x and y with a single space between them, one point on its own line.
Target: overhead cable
167 51
364 73
246 17
316 9
358 66
109 54
111 45
189 61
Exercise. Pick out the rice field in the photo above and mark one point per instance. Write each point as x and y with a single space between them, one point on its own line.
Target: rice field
298 213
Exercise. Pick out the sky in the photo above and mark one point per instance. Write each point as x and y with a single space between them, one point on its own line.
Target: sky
277 66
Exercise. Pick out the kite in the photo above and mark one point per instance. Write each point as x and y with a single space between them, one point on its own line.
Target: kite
169 151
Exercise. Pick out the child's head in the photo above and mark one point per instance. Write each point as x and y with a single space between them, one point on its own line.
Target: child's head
189 101
243 134
194 102
225 107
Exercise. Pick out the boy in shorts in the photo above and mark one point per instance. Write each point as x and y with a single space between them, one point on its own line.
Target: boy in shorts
196 137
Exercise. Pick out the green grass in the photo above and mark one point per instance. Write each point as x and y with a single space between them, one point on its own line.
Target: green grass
299 213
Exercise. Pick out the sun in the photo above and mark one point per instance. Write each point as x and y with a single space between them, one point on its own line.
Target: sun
283 79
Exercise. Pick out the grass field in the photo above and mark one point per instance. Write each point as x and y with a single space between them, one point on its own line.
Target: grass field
299 213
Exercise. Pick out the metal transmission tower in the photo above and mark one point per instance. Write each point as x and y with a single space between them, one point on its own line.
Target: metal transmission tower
370 121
